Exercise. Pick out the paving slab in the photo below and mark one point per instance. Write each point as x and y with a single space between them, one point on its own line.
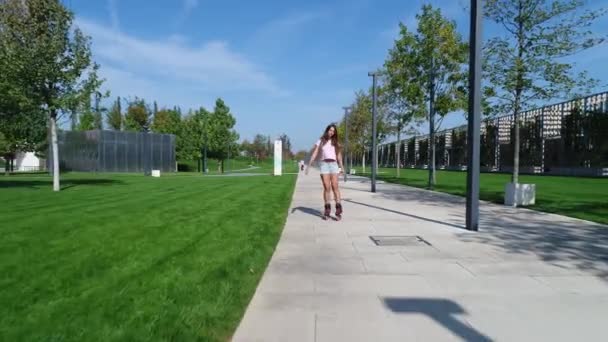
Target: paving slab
525 276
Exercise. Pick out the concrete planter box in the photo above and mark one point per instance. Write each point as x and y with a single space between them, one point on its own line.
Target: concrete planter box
520 194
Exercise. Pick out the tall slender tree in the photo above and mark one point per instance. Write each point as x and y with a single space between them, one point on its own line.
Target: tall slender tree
526 64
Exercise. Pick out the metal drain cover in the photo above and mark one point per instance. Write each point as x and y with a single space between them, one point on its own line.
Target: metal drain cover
399 240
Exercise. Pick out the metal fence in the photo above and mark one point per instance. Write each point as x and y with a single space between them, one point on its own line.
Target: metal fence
115 151
568 138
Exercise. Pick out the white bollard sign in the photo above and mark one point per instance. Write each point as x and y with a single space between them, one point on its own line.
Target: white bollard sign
278 154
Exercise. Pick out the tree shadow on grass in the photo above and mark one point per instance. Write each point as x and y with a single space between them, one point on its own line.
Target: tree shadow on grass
65 184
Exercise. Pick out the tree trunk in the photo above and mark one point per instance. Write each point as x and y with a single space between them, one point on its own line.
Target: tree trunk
55 149
518 91
398 151
363 162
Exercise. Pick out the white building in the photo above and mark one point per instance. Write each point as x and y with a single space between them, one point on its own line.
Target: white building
27 161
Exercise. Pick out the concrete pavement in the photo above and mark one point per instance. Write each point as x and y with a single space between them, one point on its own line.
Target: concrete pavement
526 276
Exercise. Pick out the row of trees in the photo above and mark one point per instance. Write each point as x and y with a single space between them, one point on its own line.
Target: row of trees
48 74
262 147
196 131
425 75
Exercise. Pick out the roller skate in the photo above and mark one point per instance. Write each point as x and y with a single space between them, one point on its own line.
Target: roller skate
327 211
338 211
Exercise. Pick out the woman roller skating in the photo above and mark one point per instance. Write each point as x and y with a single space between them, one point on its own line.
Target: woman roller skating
331 166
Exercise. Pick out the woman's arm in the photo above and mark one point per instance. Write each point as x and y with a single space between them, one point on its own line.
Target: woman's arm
340 161
313 157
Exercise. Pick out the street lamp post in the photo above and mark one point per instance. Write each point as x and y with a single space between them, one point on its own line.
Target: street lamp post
472 212
373 75
345 153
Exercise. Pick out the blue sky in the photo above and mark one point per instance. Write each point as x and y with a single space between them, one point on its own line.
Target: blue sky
282 66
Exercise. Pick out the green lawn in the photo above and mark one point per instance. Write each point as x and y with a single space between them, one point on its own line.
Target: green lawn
241 165
585 198
133 258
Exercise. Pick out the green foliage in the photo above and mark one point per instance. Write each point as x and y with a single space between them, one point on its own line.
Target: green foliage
426 66
222 138
300 155
286 145
4 145
527 63
46 63
114 117
86 121
192 135
430 59
359 122
259 147
166 121
138 116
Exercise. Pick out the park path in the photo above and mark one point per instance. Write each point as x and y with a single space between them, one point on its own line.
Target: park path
525 276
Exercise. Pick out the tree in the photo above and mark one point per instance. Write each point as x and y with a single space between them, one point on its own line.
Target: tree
359 124
527 64
192 135
433 60
25 131
114 117
301 155
222 137
248 148
259 147
86 121
91 117
188 141
99 111
286 147
403 94
166 121
52 60
138 116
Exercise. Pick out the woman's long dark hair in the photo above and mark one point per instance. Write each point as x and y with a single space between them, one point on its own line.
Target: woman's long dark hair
334 139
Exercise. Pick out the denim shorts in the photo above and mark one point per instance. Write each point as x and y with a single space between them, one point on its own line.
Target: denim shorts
329 167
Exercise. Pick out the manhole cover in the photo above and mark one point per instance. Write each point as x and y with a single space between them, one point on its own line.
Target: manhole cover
399 240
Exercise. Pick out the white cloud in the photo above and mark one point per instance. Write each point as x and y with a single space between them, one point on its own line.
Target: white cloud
212 67
128 85
277 35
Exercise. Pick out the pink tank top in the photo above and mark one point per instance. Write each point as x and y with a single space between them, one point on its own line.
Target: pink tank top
328 151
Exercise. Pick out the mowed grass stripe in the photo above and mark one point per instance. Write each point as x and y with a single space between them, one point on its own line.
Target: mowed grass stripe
141 259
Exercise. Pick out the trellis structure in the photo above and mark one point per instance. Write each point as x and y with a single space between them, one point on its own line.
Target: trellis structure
568 138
